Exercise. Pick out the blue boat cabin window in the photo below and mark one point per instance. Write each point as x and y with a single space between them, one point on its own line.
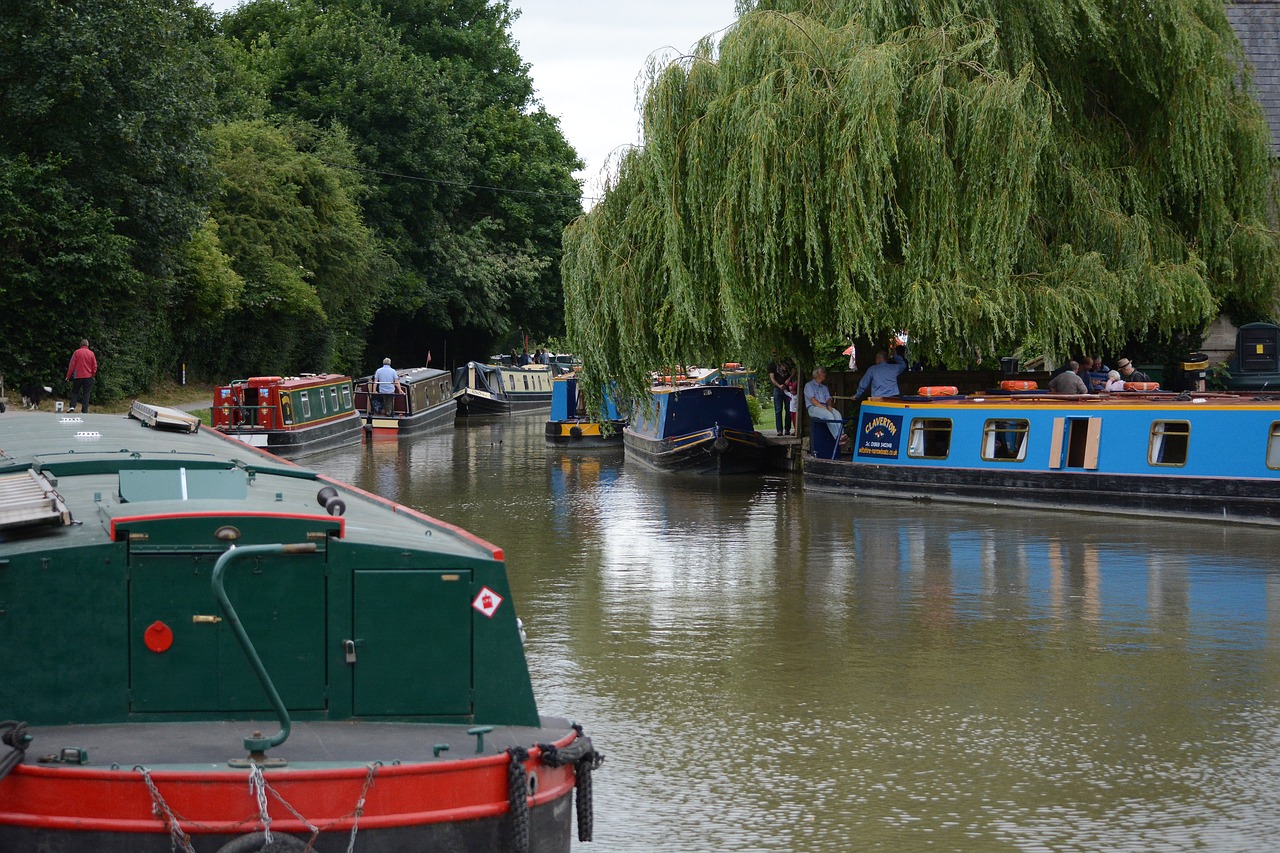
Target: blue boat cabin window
1273 446
1169 441
930 438
305 397
1005 440
346 396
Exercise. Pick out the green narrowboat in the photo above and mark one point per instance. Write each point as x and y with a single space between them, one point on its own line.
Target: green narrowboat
212 650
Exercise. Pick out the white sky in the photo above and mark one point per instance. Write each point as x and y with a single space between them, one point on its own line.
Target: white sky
587 57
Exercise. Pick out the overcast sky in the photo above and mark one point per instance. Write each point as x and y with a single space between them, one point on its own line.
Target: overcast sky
587 56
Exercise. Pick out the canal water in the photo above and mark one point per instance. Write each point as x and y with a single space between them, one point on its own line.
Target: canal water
770 670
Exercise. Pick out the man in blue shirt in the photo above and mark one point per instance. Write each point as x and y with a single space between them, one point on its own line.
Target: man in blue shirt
388 386
817 400
882 377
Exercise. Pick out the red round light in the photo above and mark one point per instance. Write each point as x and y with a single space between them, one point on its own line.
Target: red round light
158 637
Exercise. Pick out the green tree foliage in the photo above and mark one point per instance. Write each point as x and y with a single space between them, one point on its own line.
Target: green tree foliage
305 270
981 172
63 270
102 113
470 181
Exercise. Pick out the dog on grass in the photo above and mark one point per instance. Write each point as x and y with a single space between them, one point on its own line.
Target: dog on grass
33 395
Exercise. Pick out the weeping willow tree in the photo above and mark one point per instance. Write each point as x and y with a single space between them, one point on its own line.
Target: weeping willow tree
980 172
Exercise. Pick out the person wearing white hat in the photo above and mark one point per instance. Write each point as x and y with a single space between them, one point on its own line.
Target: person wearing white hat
1129 373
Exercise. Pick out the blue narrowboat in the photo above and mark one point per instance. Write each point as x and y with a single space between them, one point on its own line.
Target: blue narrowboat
696 428
1195 455
571 428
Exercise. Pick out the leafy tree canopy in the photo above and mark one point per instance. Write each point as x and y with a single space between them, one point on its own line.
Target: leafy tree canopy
980 172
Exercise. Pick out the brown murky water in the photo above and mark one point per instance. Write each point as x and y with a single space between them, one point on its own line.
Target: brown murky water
774 671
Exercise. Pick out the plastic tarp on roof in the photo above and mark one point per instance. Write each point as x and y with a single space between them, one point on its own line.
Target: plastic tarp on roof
488 378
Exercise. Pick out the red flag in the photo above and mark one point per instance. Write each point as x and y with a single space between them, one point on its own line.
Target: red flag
428 356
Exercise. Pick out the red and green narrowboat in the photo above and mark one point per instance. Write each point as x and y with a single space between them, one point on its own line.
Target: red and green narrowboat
212 650
288 416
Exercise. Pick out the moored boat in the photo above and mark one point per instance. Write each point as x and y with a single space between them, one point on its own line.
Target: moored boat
697 429
288 415
489 389
570 428
426 402
204 593
1191 455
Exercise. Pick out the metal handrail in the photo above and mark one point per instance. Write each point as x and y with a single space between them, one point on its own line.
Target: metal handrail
256 744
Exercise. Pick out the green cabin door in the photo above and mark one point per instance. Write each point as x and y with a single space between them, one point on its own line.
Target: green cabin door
280 601
413 656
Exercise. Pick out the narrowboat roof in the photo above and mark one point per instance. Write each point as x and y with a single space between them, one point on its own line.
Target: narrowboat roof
113 473
1141 400
290 383
410 375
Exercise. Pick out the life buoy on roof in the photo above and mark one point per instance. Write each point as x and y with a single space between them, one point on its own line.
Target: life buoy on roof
1142 386
259 381
732 365
938 391
1018 385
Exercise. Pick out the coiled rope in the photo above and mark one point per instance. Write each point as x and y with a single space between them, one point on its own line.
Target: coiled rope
16 738
518 798
584 758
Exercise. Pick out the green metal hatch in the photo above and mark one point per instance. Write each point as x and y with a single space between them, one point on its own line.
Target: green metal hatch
415 659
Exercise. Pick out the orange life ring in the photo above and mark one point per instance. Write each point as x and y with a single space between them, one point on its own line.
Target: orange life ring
259 381
938 391
1019 385
732 365
1142 386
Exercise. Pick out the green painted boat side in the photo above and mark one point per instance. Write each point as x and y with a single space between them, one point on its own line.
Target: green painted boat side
86 607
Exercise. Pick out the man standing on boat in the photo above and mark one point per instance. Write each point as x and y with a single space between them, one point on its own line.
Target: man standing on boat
882 377
81 370
388 382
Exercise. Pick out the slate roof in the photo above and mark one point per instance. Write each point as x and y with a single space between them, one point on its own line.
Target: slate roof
1257 25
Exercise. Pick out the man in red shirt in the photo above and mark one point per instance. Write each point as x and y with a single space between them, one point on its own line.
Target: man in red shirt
81 370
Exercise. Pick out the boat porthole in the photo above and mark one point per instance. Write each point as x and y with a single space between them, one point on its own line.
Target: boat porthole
533 783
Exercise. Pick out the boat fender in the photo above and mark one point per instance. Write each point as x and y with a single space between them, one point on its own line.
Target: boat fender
938 391
721 444
256 842
1142 386
575 431
518 798
16 738
1018 385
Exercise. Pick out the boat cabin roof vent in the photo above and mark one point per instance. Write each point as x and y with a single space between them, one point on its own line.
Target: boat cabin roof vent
28 499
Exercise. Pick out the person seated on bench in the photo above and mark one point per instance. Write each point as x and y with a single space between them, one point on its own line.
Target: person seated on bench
817 399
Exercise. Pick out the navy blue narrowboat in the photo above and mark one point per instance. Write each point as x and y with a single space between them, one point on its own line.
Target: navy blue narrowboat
489 389
1194 455
698 429
426 402
571 428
